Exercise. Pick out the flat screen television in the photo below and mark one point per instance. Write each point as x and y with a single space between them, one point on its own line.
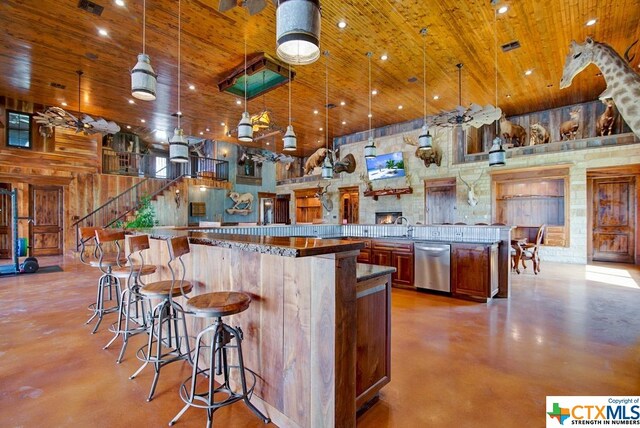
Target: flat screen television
390 165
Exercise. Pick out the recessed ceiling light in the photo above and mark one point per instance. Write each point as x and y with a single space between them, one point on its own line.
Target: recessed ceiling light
344 122
321 129
315 112
207 130
192 87
178 113
591 22
374 92
342 103
268 143
103 32
503 9
508 96
400 107
436 97
128 126
369 115
63 104
120 2
384 57
528 72
131 102
342 24
222 123
238 102
201 133
143 121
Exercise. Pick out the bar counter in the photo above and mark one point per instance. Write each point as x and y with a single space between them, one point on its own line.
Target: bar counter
299 330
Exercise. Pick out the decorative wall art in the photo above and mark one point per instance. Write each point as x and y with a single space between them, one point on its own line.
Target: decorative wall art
242 203
623 82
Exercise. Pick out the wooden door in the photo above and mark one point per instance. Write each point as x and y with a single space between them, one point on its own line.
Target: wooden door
440 204
349 204
46 211
614 219
282 210
5 223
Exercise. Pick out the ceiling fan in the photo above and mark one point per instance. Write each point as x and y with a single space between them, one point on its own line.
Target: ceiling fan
253 6
475 115
56 116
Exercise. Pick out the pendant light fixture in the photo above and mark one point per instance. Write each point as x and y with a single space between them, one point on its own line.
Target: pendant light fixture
424 140
178 145
245 128
290 140
298 31
370 148
327 166
497 154
143 78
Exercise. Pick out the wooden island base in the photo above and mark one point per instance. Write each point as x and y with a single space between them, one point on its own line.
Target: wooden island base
299 329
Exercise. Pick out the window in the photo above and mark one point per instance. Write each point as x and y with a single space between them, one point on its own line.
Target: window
18 129
161 167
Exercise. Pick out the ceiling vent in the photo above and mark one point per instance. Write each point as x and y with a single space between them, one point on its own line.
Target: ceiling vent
510 46
330 106
90 7
412 79
57 85
91 56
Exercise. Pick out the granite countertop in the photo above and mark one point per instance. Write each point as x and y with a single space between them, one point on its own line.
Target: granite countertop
366 271
276 245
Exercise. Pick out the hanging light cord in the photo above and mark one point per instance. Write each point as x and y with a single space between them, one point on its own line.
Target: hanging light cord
326 83
179 58
245 72
79 96
495 39
289 94
144 25
370 130
424 72
460 84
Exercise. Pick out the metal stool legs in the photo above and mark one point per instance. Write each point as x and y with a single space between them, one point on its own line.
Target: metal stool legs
221 341
164 336
128 298
106 281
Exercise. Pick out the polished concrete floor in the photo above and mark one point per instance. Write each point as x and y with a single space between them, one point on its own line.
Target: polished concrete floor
572 330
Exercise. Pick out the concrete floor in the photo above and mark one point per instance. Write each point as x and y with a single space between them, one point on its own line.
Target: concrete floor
572 330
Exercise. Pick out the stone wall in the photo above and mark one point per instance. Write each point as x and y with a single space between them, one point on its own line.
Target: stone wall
413 205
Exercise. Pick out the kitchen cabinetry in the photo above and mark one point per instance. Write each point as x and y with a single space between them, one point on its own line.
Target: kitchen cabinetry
389 252
474 270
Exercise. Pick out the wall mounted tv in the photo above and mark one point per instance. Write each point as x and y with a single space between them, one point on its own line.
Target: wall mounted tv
390 165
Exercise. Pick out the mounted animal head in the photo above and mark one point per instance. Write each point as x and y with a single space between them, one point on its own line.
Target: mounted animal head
324 197
575 114
346 164
580 56
472 198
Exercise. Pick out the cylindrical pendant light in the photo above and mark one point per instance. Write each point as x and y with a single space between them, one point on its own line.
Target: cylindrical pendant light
497 154
327 166
178 145
424 139
245 127
289 139
370 148
143 78
298 31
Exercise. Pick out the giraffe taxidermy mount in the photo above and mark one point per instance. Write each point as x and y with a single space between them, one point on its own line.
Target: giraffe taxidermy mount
623 82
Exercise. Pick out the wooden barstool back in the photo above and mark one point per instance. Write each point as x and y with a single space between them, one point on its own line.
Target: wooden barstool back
107 259
178 247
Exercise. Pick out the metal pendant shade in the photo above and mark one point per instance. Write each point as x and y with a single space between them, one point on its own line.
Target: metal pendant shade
370 149
290 140
327 168
245 128
143 79
298 31
425 142
178 147
497 154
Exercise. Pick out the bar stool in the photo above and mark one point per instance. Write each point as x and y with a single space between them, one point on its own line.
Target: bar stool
104 261
222 338
131 303
165 344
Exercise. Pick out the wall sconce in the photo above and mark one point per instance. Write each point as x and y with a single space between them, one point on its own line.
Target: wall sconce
203 188
224 153
177 198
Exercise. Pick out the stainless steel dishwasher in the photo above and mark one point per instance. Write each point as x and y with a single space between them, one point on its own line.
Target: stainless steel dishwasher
432 266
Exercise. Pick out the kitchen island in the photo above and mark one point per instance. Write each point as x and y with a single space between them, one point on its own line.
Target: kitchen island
299 330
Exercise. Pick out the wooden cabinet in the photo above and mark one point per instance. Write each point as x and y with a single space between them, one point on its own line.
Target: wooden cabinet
373 337
398 254
474 270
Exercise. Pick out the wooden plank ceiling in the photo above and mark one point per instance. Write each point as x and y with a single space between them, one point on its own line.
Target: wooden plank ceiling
46 41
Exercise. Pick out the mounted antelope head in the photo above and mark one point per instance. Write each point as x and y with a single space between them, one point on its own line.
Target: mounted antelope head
472 198
324 197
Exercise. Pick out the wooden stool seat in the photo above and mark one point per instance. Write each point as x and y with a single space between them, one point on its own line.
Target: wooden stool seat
218 304
163 288
124 271
109 262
